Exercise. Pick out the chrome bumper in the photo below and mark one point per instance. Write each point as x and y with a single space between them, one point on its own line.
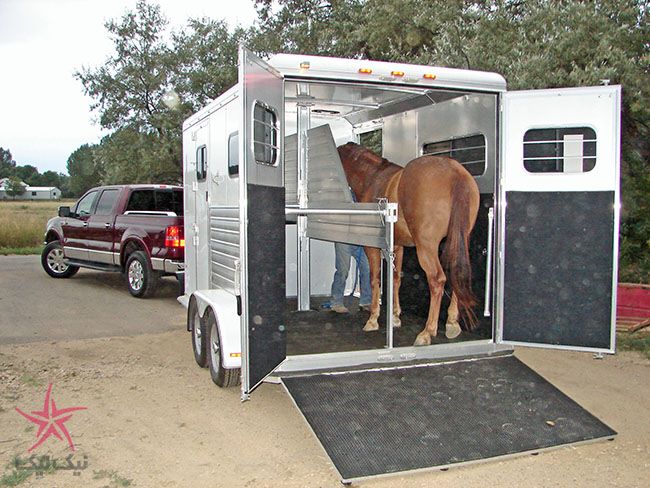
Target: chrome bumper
167 265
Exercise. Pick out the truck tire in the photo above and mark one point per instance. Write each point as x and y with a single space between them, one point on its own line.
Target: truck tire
141 279
199 336
220 376
53 263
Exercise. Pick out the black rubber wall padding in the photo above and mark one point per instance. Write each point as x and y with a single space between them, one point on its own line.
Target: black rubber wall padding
379 422
267 343
558 268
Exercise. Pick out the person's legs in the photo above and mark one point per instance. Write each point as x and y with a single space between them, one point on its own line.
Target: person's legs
365 298
342 263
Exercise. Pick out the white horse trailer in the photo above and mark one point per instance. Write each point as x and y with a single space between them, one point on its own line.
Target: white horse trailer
265 197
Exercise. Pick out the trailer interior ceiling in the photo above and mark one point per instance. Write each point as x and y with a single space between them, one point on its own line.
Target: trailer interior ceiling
406 122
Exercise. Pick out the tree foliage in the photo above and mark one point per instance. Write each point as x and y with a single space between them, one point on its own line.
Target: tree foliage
15 187
84 170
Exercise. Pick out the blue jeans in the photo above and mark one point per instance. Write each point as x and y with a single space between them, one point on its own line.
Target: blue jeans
343 254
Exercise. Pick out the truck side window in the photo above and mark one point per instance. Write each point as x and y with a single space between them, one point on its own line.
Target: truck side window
201 162
468 151
85 205
233 154
106 202
141 201
560 150
265 135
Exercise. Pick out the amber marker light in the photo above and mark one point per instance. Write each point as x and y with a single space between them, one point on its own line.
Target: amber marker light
304 65
397 73
429 76
365 71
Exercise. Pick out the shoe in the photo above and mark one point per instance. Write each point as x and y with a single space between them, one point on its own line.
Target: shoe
339 308
366 307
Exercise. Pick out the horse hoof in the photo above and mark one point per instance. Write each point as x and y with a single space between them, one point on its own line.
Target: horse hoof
422 340
397 322
452 330
371 325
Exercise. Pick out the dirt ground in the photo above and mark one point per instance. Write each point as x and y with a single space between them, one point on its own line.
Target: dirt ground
154 419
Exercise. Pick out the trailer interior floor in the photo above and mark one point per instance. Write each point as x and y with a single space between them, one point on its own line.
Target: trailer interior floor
323 331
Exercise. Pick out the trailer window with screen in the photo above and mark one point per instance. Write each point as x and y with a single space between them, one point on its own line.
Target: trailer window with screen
468 151
201 162
233 154
560 150
265 135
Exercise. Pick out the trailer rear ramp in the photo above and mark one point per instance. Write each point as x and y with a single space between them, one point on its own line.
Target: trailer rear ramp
379 422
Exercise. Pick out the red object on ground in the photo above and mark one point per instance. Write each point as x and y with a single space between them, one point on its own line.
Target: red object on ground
633 300
632 307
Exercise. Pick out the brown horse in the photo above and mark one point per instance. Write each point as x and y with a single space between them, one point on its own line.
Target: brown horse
436 198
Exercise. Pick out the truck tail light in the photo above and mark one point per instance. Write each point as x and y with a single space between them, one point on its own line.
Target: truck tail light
174 236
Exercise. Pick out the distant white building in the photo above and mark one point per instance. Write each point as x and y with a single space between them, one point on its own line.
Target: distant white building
31 192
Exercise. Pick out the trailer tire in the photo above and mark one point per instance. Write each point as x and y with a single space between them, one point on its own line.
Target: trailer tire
141 279
197 327
53 264
220 376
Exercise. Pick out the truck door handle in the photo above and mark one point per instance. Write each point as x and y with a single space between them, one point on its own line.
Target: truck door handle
85 224
107 225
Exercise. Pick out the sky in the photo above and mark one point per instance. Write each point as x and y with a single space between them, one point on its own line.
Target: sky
44 115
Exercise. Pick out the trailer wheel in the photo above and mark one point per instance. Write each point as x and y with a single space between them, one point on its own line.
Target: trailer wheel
221 376
53 262
199 336
141 279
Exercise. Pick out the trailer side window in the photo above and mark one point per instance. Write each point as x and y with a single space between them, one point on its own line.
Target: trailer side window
265 135
233 154
468 151
560 150
201 162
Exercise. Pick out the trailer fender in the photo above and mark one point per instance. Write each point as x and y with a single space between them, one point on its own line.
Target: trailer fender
224 307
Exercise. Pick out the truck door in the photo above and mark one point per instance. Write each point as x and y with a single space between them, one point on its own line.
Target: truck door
75 227
559 195
100 231
262 219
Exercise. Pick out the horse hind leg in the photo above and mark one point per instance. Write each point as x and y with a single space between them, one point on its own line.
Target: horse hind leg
452 327
428 258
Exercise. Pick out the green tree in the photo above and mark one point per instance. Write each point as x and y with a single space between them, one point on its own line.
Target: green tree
15 187
131 87
84 170
7 163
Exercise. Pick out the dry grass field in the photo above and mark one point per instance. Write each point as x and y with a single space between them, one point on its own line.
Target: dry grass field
22 224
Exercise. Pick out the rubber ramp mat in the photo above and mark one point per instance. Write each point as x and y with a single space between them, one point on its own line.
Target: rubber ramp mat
379 422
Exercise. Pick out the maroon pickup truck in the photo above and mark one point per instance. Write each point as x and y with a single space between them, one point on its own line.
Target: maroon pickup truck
133 229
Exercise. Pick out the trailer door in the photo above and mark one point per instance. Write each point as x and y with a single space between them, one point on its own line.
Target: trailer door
559 196
262 214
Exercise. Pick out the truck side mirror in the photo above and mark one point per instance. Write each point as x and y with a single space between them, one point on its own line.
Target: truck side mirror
64 211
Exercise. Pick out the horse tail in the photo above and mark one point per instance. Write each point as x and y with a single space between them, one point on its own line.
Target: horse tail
455 256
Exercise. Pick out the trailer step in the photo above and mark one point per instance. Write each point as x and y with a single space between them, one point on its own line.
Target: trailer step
435 416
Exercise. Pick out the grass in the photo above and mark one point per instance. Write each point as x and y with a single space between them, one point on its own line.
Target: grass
116 480
22 224
14 478
636 341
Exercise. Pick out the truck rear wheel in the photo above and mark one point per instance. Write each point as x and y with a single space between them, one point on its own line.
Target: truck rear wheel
199 335
220 376
141 279
53 262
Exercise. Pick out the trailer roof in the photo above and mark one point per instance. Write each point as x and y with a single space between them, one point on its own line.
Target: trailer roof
321 67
